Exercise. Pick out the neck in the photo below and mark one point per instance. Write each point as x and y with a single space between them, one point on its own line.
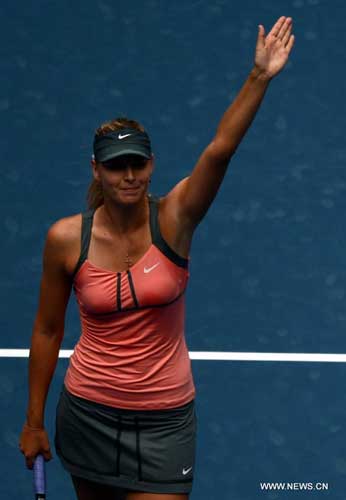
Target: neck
126 218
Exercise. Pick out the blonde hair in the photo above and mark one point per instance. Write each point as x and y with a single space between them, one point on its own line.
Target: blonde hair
95 194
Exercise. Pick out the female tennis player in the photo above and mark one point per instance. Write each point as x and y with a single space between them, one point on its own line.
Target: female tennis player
126 422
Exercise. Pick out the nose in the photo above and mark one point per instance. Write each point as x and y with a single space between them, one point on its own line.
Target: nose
129 173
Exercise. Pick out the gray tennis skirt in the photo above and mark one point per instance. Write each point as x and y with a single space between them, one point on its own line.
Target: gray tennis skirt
142 450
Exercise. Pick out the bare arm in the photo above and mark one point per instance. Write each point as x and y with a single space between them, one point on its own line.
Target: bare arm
48 331
194 194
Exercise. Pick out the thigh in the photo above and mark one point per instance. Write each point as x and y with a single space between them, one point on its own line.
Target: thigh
88 490
137 495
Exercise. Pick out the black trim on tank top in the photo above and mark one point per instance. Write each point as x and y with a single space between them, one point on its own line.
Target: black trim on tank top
87 221
157 238
132 288
139 308
119 291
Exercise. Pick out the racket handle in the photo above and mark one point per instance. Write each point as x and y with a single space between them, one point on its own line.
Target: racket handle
39 478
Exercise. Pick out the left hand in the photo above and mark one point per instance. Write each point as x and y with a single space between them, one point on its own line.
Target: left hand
272 51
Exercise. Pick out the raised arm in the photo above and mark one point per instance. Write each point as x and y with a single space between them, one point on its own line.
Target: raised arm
194 194
47 335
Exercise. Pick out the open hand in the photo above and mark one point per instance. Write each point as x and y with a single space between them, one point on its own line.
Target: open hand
272 51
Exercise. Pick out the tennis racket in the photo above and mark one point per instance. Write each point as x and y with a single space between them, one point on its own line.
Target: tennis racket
39 478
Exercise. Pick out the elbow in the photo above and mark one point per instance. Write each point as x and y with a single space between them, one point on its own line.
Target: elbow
46 339
48 329
222 149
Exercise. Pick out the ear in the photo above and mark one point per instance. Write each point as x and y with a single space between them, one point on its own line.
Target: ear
95 171
152 162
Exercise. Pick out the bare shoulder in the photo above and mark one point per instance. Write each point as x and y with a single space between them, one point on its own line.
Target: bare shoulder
63 241
66 229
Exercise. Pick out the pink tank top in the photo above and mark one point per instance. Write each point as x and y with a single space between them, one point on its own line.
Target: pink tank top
132 351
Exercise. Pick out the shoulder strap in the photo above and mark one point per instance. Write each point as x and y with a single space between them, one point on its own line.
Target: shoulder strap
87 221
157 238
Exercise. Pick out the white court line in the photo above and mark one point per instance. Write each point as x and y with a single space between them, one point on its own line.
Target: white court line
219 356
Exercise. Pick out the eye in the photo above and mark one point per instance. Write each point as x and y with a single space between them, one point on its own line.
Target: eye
115 164
135 161
139 162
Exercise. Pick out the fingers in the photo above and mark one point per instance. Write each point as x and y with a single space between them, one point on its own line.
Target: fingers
281 30
30 458
290 43
29 462
286 33
277 26
285 27
47 455
261 35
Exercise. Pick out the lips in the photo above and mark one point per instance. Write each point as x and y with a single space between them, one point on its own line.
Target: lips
130 190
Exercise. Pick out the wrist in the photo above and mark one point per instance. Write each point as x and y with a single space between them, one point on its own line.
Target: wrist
34 419
260 74
32 428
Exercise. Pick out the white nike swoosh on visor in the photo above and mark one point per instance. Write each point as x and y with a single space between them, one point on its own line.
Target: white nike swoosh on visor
123 136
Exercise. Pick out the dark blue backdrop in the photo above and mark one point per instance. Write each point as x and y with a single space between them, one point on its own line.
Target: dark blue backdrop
268 261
